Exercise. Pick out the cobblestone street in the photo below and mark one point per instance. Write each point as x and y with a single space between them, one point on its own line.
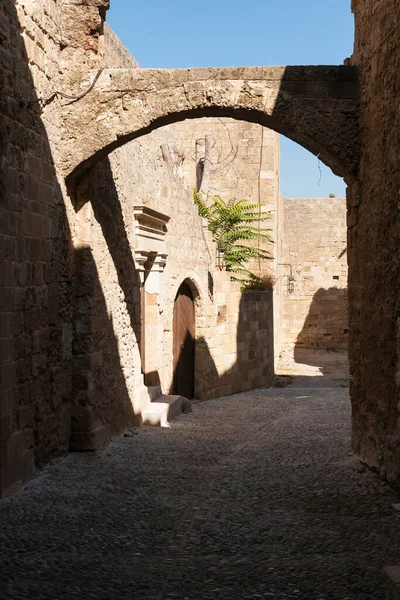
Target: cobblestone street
250 496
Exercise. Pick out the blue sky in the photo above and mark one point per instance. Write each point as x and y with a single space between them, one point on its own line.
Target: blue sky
186 33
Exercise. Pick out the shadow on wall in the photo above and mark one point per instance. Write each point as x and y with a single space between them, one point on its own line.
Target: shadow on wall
313 129
101 406
326 325
46 351
108 213
102 401
249 362
325 329
35 352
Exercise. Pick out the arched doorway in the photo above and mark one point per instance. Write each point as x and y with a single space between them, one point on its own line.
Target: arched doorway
184 333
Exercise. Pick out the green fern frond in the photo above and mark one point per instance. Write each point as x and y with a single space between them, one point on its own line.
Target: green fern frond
231 222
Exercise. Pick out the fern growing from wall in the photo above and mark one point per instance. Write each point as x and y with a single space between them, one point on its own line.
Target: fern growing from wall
232 224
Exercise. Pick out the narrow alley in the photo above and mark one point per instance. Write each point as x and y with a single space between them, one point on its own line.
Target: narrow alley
250 496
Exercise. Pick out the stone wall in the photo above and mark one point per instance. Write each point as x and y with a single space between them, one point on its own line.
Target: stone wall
115 55
314 274
235 343
373 219
44 47
105 321
35 328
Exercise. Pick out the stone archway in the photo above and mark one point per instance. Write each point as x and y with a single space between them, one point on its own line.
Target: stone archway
316 107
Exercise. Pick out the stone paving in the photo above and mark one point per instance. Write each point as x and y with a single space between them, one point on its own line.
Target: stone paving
253 496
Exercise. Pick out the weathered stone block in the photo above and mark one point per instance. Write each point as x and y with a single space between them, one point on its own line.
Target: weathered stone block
8 375
90 440
36 225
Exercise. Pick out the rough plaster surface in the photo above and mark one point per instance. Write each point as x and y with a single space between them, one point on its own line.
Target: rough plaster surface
251 496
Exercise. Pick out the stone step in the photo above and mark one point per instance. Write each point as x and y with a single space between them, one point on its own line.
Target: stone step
162 410
154 392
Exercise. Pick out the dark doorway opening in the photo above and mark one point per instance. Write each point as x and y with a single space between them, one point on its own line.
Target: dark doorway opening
184 332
